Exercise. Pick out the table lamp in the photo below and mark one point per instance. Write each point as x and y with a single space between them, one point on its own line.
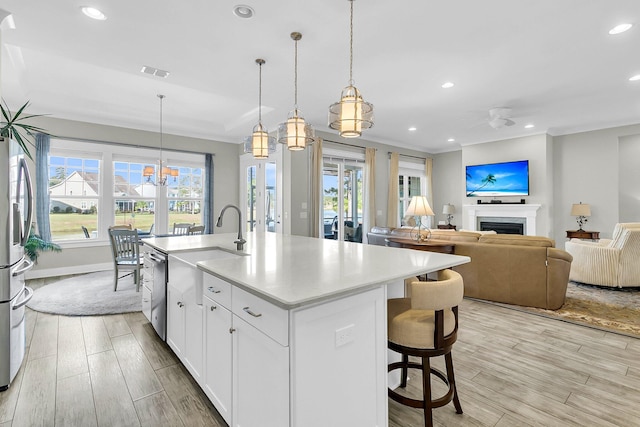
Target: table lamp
449 210
419 206
581 212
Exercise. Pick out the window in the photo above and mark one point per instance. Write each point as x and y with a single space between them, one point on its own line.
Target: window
412 181
185 196
134 197
74 189
110 177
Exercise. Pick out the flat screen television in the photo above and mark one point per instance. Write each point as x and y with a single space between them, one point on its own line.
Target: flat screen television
498 179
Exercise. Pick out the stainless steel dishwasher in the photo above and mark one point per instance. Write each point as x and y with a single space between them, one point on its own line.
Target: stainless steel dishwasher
156 262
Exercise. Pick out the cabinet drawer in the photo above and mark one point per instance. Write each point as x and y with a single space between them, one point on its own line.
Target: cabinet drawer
217 289
268 318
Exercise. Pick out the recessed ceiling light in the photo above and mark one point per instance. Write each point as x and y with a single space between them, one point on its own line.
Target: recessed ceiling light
412 128
620 28
243 11
447 85
529 126
94 13
451 140
634 78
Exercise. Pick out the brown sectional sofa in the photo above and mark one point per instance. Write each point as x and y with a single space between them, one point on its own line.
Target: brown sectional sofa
512 269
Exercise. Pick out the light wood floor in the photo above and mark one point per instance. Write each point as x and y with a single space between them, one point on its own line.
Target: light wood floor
513 369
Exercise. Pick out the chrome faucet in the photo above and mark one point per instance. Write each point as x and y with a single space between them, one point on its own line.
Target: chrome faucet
240 241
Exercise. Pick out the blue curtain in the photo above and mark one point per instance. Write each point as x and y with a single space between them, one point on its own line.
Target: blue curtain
208 194
43 143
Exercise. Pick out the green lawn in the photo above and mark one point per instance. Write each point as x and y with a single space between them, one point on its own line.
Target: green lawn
66 226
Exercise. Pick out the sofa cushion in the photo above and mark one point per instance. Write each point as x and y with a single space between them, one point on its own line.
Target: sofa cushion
457 236
516 239
380 230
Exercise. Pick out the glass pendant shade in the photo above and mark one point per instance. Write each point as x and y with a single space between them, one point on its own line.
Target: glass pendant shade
260 144
163 171
295 132
351 115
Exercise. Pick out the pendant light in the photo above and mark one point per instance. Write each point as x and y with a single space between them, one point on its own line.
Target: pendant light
295 132
352 114
260 144
164 172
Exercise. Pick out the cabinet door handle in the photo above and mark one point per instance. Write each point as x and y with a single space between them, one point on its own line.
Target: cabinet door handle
213 290
180 304
231 330
248 310
213 307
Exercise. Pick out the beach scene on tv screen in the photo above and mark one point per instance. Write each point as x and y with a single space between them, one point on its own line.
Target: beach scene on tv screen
498 179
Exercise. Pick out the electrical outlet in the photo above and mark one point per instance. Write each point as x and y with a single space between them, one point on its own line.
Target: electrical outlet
344 335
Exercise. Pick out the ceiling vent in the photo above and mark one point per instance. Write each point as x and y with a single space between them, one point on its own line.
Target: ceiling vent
154 71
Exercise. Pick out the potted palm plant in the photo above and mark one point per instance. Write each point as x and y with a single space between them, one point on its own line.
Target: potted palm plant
35 244
13 126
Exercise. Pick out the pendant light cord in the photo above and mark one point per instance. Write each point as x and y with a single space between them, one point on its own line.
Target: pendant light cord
351 46
295 76
260 94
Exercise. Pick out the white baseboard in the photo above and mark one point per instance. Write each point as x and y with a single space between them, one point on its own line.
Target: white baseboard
64 271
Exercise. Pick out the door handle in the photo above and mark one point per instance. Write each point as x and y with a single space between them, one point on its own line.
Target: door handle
180 304
29 294
19 271
213 290
248 310
29 216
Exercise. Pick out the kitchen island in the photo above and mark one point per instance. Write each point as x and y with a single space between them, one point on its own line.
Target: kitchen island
293 328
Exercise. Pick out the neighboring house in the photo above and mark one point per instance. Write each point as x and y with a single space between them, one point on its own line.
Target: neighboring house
79 192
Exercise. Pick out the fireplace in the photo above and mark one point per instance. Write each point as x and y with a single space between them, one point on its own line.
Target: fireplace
502 227
523 215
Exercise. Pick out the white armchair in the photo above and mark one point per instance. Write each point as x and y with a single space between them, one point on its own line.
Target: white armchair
609 262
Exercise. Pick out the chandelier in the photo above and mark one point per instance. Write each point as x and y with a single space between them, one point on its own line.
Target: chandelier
351 114
164 171
295 132
260 144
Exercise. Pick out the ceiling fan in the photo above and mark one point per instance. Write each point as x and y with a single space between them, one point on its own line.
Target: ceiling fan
500 117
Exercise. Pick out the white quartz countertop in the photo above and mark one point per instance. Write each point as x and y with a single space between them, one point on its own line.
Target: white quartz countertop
292 271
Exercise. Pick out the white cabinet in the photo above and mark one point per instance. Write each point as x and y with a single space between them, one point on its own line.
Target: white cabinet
185 315
260 378
217 378
175 320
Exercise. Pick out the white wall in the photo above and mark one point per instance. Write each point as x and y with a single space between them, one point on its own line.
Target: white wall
587 166
629 179
77 259
601 168
533 148
448 185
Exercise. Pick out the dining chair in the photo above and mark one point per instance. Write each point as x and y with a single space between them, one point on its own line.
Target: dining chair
125 248
195 229
182 228
120 227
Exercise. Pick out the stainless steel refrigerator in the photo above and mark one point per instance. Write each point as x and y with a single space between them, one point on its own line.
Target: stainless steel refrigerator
16 214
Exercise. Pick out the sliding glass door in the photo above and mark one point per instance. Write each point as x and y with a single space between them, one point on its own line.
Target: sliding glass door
342 205
260 193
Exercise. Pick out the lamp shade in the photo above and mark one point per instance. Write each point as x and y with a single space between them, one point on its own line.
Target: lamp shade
419 206
581 209
448 209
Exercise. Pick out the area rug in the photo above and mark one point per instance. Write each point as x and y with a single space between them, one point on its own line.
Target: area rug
610 309
87 295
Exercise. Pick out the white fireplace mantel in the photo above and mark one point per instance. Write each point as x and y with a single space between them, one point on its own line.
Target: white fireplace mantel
529 211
